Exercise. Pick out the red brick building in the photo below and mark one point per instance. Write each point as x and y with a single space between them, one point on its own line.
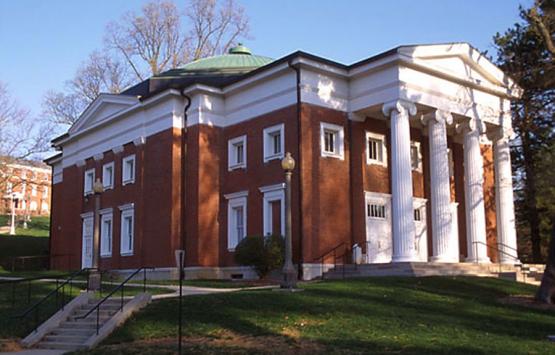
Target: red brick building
404 154
26 187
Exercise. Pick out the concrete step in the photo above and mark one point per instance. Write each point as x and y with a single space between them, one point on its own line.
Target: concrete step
73 331
60 345
67 338
79 325
101 313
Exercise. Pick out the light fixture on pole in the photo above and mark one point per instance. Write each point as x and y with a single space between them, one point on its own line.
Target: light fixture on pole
94 275
289 271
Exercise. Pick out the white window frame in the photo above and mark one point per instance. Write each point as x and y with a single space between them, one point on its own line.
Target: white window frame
88 188
127 211
238 199
381 199
273 193
339 144
128 177
380 137
108 184
33 190
419 163
268 135
232 163
106 241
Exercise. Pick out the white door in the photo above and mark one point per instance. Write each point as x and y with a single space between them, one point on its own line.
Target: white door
421 241
87 246
378 228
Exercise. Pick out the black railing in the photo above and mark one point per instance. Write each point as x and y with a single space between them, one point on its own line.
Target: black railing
121 287
26 283
491 247
59 292
336 255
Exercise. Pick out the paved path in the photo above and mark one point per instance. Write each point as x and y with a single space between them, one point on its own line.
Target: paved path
36 352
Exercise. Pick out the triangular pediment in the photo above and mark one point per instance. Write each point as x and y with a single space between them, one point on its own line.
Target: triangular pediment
460 61
103 108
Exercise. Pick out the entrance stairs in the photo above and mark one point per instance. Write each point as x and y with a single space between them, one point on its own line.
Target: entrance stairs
521 273
72 329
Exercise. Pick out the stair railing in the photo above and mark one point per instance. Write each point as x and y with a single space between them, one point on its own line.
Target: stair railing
333 252
121 288
493 248
27 282
60 289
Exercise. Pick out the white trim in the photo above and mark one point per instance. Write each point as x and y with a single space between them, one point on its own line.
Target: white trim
108 210
270 196
232 238
270 188
231 154
118 149
110 185
339 143
98 157
87 214
105 217
124 214
88 190
231 196
267 135
127 206
126 176
87 236
380 137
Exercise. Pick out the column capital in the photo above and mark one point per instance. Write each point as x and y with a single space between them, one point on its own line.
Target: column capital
500 132
471 126
400 105
438 116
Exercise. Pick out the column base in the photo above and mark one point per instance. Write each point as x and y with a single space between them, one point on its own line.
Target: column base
510 261
482 260
405 259
444 259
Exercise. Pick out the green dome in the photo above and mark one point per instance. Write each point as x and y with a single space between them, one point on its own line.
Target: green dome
238 59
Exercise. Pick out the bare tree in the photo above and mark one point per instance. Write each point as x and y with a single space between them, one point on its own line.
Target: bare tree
21 136
542 17
156 39
99 73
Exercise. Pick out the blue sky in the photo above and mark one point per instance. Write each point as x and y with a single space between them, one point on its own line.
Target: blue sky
42 42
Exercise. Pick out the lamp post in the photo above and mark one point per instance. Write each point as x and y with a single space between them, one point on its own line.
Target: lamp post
12 225
289 272
94 275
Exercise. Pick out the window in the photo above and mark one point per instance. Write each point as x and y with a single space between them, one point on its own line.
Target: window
273 209
273 142
9 187
376 211
417 215
332 137
89 181
236 219
33 190
106 232
237 153
128 170
127 229
44 206
108 176
376 152
415 156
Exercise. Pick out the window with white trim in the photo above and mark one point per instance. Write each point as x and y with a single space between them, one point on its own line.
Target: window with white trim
128 170
236 221
106 233
273 142
33 190
89 181
237 153
332 140
108 176
415 156
127 229
375 210
376 152
417 215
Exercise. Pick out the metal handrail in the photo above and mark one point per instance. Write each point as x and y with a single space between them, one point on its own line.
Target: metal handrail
28 280
494 248
120 286
61 286
335 257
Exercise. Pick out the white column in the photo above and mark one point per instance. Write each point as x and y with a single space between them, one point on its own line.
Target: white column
474 191
504 202
445 247
402 216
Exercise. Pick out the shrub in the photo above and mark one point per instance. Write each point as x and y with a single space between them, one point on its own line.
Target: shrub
264 254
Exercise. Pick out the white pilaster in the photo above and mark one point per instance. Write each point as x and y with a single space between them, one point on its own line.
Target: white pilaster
404 247
506 230
474 191
445 248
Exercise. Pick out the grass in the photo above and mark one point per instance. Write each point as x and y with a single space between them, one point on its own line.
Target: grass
435 315
39 226
22 246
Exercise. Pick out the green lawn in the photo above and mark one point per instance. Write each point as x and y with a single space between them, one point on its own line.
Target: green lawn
39 226
433 315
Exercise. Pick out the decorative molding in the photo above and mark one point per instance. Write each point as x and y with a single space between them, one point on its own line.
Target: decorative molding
87 215
118 149
80 163
139 141
275 187
438 116
98 157
231 196
127 206
401 106
108 210
471 125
